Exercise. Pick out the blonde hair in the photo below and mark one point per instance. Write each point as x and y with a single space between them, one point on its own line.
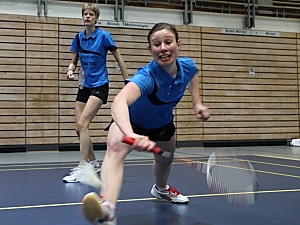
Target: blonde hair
92 7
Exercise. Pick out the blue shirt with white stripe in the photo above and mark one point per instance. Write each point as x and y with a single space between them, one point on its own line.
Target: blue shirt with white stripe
148 115
93 56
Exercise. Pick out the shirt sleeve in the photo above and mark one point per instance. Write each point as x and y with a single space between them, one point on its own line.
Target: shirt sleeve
144 81
109 42
74 45
189 67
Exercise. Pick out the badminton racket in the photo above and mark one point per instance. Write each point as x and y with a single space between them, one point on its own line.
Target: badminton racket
229 177
80 78
87 175
232 178
194 164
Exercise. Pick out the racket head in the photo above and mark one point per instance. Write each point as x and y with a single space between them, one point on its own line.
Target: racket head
81 78
231 178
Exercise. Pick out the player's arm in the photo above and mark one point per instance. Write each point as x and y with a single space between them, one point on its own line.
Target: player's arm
119 108
117 55
201 112
194 90
72 66
74 61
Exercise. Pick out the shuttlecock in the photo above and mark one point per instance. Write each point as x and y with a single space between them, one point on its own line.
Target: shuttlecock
88 176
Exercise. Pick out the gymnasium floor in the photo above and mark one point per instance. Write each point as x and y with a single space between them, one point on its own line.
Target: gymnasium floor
32 190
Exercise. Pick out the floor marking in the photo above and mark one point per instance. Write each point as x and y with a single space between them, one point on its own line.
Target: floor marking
277 157
149 199
275 164
177 163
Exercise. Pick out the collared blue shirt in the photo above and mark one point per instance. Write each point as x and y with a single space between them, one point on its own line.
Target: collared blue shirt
93 60
143 112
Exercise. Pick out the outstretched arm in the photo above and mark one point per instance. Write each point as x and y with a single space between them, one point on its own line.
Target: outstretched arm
120 114
119 108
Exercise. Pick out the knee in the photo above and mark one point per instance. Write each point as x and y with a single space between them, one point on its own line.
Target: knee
80 126
116 150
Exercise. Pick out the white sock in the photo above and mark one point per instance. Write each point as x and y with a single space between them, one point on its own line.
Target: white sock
110 205
162 189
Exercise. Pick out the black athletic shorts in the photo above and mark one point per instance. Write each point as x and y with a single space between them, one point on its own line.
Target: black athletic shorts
164 133
99 92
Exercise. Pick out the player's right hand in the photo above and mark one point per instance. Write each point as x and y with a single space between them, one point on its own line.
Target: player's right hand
70 75
142 143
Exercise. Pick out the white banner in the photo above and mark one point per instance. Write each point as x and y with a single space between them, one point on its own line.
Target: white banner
146 26
251 32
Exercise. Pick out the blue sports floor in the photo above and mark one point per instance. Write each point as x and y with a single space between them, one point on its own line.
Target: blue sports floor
32 190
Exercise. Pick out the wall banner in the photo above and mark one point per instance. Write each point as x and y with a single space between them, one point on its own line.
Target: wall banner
146 26
250 32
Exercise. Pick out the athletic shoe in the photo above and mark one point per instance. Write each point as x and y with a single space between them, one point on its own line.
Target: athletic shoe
96 212
171 194
72 177
97 167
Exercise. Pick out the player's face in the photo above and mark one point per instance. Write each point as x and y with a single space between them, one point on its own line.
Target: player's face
89 17
164 47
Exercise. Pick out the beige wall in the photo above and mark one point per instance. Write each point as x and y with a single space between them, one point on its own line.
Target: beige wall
37 102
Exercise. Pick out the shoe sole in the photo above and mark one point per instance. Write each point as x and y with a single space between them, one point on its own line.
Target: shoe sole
68 181
91 208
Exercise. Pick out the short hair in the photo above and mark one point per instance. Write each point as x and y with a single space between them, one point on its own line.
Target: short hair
91 6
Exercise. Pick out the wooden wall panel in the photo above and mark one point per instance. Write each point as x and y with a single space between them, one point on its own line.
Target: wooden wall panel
263 106
42 114
12 80
298 72
188 127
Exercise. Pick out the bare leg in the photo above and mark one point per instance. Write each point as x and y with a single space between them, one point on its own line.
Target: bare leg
87 115
79 107
162 165
112 166
91 155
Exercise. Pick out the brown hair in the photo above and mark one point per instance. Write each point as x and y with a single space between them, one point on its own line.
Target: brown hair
92 7
161 26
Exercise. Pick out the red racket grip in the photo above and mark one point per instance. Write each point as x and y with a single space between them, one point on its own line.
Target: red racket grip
130 141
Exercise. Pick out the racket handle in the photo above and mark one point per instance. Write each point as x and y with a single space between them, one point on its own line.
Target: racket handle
130 141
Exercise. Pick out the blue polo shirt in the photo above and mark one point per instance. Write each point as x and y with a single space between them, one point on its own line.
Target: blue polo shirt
92 54
143 112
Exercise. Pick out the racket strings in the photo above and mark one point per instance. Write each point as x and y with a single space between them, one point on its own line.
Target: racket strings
233 179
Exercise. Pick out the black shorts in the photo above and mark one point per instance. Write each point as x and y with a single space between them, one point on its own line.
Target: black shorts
164 133
99 92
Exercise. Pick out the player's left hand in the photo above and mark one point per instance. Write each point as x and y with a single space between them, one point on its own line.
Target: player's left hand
201 112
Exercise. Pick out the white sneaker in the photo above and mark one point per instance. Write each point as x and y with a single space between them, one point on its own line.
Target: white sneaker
97 167
72 177
97 213
171 194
